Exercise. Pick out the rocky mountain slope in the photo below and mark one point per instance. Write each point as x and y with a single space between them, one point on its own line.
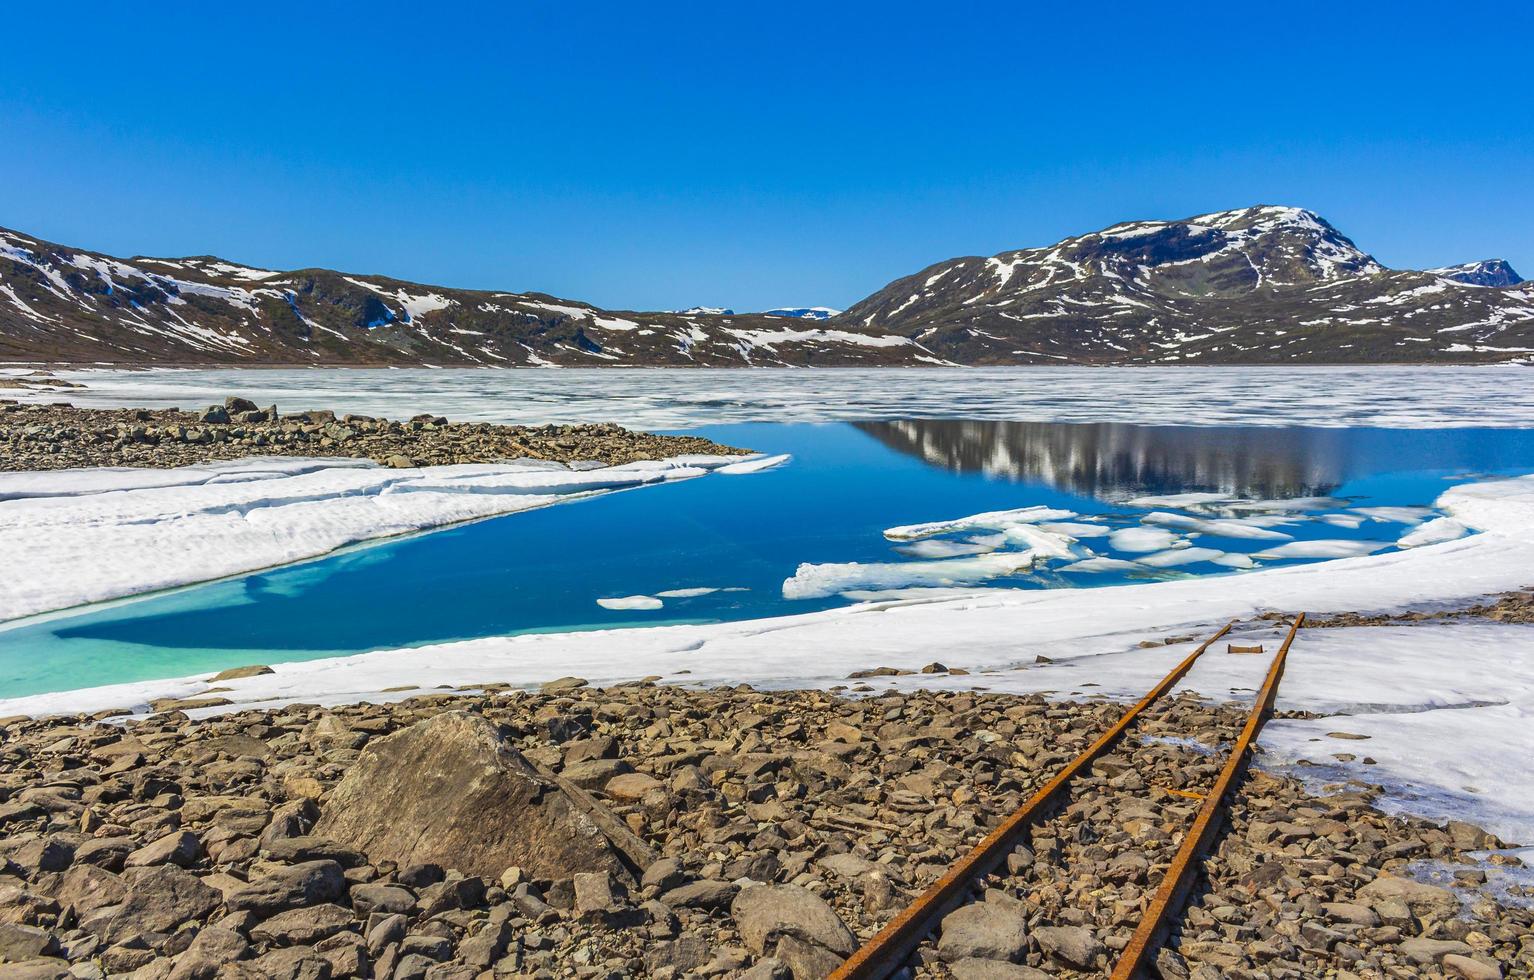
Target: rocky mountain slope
68 305
1259 285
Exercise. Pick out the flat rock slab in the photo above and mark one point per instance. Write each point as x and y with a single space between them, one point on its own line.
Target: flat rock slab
451 791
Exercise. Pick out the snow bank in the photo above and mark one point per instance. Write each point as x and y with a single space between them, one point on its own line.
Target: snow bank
81 536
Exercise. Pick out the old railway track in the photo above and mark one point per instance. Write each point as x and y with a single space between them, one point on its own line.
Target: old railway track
1096 809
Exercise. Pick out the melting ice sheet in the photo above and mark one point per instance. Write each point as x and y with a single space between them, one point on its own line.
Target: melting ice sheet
91 535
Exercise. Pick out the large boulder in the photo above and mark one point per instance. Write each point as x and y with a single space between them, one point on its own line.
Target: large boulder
451 791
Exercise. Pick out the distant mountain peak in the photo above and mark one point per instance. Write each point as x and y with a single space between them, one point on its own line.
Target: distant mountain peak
1487 272
803 312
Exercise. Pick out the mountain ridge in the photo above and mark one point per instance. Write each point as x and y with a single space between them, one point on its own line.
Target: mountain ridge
64 304
1260 285
1266 284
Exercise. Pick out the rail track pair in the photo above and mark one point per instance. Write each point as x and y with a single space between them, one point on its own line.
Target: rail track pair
888 951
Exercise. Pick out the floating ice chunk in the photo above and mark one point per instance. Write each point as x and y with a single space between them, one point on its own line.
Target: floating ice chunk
1333 548
1235 559
1225 527
1287 504
991 541
1342 520
687 593
1076 529
1433 532
1181 500
940 548
754 465
997 520
631 602
1093 565
1180 556
1395 515
1043 543
818 581
1138 539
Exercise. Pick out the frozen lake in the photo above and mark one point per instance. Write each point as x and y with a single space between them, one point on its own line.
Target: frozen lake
661 398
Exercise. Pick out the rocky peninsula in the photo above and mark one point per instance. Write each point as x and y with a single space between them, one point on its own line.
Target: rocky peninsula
61 436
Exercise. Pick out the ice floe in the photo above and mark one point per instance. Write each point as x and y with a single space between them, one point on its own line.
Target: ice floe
813 581
1101 563
1143 539
942 548
1181 556
995 520
631 602
754 465
1395 515
1225 527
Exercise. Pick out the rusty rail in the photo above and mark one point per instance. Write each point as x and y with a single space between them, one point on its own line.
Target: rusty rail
1177 880
886 952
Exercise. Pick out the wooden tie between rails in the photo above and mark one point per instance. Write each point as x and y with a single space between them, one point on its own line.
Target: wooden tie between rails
887 952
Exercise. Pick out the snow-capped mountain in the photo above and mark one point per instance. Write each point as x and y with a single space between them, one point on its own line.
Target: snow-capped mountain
65 304
804 312
1259 285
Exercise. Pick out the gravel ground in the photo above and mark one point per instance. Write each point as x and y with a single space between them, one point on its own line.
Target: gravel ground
767 833
60 436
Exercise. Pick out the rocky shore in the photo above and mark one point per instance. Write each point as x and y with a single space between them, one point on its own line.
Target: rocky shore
60 436
653 831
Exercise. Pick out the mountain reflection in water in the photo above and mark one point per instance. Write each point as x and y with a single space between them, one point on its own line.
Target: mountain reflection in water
1112 460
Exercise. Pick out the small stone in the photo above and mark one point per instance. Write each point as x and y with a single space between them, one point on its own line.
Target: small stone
1074 944
182 848
630 787
303 927
983 930
594 893
237 673
1459 965
704 894
293 886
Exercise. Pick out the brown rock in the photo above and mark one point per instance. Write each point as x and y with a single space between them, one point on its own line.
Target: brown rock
451 791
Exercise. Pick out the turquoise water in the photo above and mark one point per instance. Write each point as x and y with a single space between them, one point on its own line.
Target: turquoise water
545 570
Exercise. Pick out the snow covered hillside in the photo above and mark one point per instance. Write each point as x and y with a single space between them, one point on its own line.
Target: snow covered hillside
1259 285
64 304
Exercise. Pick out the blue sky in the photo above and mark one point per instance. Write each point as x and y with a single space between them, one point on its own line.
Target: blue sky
660 156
